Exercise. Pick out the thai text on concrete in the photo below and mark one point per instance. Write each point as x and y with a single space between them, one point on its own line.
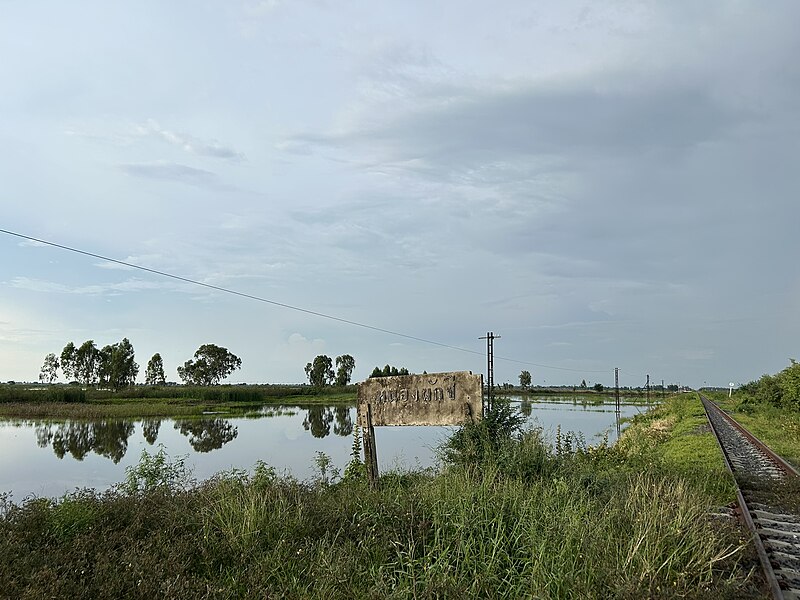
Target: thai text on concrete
430 399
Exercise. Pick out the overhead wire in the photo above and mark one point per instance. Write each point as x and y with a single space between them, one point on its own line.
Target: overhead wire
282 304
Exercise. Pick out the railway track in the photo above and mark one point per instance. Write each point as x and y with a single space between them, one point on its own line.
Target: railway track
762 479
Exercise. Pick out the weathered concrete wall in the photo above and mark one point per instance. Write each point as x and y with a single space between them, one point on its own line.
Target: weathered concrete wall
434 399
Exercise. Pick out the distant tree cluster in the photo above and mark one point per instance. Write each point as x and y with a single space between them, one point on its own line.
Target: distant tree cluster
114 366
388 371
111 366
781 390
320 372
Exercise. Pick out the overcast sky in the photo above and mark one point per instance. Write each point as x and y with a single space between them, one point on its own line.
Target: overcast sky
604 185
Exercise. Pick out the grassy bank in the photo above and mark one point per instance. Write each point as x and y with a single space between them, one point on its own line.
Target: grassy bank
779 428
506 517
66 402
676 435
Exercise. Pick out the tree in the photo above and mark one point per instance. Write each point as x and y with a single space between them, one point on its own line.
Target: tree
154 375
211 365
68 361
49 371
388 371
344 369
320 372
583 384
525 379
598 387
117 367
87 362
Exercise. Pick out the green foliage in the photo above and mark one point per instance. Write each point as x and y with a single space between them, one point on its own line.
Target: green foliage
781 390
68 361
156 472
525 379
211 364
598 387
320 372
482 440
344 369
388 371
49 372
87 363
154 375
117 367
355 470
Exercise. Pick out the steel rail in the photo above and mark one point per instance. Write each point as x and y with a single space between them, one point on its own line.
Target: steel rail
769 573
766 566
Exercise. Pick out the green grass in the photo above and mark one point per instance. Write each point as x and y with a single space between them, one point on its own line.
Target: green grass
676 436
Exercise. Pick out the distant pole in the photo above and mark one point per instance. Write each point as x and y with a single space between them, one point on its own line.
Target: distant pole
662 390
648 388
490 337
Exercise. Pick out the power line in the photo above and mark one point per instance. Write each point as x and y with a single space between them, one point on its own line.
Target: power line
280 304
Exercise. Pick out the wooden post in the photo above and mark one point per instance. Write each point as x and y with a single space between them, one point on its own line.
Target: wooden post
370 450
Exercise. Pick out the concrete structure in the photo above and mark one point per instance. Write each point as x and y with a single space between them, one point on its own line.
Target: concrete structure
433 399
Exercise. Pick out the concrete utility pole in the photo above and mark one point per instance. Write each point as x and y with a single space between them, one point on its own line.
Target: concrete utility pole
490 337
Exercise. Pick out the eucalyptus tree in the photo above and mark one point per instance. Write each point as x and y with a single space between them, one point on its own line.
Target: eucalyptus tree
154 375
320 372
117 367
525 379
87 363
68 361
344 369
49 372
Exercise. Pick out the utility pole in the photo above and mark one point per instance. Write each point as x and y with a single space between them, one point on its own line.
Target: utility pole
490 337
648 388
662 390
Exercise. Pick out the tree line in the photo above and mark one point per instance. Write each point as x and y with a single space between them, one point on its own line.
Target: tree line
781 390
114 366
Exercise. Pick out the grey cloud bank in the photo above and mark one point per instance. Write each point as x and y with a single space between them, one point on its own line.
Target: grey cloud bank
603 185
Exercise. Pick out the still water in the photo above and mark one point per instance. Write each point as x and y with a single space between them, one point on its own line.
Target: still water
49 458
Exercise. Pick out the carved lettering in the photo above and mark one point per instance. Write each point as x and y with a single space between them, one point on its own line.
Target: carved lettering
438 394
451 391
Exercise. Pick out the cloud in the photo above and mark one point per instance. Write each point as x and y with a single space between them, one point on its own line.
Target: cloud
191 144
50 287
175 172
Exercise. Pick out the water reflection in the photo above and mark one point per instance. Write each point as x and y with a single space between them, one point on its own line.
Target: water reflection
106 438
318 420
150 429
109 438
206 435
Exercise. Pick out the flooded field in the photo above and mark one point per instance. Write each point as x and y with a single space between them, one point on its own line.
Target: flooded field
49 458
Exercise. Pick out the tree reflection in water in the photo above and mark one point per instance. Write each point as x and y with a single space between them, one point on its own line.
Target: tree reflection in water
106 438
526 408
318 420
206 435
150 429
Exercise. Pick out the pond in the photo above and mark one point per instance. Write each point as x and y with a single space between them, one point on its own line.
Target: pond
50 458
